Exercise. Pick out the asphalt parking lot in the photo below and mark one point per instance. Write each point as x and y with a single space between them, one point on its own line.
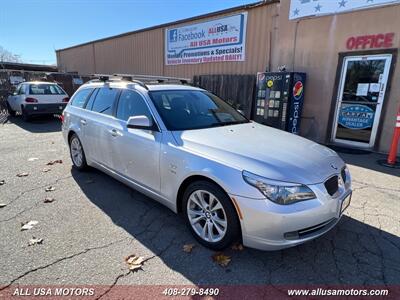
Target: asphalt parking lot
95 222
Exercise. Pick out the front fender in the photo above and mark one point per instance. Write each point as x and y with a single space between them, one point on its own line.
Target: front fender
178 164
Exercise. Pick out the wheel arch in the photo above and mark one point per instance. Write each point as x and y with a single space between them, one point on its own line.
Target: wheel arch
193 178
70 134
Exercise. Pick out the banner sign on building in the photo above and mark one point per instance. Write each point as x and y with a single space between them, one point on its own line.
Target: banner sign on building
307 8
218 40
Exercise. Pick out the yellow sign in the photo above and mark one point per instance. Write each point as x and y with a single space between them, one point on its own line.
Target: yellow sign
270 83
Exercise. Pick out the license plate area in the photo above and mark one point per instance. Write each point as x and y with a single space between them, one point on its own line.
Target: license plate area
345 203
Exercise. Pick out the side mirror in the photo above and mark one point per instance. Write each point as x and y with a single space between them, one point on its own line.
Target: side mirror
139 122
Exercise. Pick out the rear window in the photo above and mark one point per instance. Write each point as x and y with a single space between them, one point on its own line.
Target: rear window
45 89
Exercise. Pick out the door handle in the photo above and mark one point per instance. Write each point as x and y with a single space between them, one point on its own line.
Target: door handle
115 132
83 122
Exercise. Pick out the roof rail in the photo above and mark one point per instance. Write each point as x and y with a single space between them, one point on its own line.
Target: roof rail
138 79
153 78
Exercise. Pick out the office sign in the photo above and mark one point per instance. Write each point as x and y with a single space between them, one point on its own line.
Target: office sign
217 40
308 8
370 41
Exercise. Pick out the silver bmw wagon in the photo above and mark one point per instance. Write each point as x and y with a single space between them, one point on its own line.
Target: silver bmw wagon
231 179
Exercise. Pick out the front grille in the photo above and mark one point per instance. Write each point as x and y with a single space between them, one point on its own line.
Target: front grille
309 231
332 185
343 173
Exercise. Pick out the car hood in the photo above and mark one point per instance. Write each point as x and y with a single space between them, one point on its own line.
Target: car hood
264 151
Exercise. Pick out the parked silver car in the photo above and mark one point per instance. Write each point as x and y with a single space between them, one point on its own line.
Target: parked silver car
231 179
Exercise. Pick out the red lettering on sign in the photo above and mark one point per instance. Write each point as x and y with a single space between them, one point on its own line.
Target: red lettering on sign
379 40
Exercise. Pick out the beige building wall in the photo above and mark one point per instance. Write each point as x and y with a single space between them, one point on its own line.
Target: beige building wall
143 52
308 45
315 50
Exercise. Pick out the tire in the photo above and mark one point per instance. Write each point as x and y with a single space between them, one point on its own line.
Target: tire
25 115
203 192
11 112
77 153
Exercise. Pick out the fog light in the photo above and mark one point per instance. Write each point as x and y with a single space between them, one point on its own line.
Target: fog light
294 235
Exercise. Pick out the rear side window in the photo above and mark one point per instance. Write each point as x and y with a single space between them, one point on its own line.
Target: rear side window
80 97
21 90
131 104
105 100
45 89
89 103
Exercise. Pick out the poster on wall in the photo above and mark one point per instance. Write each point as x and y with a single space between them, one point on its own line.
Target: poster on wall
217 40
356 116
308 8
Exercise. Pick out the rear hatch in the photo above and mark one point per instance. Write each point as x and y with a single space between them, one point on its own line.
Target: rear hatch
46 93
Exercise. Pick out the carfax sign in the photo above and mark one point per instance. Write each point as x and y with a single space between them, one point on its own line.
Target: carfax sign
218 40
356 116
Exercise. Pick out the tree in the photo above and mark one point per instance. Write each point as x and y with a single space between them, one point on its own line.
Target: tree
7 56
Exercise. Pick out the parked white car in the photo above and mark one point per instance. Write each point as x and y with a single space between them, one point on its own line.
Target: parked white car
231 179
37 98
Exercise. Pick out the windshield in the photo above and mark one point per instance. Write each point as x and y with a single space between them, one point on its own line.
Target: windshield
185 109
45 89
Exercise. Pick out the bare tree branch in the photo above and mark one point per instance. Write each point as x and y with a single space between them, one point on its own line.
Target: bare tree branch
7 56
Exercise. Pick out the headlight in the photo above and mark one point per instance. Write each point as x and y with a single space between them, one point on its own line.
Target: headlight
278 191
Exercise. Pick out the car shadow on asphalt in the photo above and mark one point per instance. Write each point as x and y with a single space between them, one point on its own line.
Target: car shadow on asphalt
37 124
369 161
351 253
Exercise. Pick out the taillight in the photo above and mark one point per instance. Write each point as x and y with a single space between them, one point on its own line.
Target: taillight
62 118
66 99
31 100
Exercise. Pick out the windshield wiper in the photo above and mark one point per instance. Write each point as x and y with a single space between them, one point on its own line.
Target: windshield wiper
227 123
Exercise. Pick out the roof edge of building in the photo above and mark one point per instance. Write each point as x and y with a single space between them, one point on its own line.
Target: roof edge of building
211 14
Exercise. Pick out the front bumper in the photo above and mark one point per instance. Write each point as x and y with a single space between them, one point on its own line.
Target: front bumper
44 109
270 226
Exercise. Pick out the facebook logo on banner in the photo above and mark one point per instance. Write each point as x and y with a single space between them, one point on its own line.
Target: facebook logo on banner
173 35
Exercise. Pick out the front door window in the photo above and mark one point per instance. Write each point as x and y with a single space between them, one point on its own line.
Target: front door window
360 98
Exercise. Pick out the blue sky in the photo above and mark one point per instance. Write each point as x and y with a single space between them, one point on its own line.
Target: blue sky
33 29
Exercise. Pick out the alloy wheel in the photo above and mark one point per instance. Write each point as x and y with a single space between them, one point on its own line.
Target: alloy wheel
207 216
76 151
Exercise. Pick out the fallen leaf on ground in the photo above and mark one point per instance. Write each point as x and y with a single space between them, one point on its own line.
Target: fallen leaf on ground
23 174
33 159
50 189
28 225
89 181
2 205
134 262
57 161
188 248
34 241
237 247
48 200
221 259
2 182
45 170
